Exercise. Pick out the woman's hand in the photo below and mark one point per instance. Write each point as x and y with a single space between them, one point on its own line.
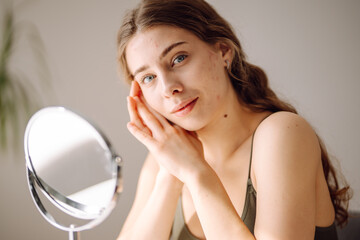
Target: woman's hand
178 151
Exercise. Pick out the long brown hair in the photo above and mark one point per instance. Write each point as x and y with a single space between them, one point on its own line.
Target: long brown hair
250 81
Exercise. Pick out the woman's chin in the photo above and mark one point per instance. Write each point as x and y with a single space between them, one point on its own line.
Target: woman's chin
189 126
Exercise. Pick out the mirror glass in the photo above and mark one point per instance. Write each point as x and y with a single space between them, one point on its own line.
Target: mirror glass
72 163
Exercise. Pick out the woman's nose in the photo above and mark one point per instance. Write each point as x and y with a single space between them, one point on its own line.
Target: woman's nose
171 86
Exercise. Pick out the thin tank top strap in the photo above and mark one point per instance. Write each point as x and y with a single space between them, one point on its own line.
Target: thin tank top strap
252 143
251 150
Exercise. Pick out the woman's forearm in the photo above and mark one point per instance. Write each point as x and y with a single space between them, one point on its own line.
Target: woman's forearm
155 220
215 210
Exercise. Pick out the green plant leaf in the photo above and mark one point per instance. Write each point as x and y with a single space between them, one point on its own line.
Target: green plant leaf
18 97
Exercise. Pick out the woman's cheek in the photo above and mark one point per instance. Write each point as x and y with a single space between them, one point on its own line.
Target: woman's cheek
146 95
154 103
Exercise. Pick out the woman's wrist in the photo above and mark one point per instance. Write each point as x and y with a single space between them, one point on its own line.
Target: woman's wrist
164 177
199 175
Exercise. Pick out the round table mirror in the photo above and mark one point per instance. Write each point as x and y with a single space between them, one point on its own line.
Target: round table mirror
70 165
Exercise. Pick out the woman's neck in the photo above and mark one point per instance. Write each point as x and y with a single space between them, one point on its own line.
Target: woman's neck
228 130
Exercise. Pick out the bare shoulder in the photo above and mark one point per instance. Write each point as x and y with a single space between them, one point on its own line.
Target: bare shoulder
285 121
286 158
284 142
286 128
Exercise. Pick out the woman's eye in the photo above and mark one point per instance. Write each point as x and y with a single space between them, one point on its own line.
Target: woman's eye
147 79
179 59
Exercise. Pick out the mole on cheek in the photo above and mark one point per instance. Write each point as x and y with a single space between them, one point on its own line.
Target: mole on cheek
225 115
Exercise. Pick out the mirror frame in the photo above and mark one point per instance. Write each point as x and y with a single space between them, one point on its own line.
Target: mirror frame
34 183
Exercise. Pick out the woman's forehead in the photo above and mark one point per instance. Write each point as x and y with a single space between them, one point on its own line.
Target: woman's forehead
159 36
152 42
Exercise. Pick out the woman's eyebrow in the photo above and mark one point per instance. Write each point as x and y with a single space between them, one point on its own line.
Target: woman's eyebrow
169 48
140 70
163 54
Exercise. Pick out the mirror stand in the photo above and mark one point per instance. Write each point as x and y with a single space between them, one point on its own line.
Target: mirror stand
73 235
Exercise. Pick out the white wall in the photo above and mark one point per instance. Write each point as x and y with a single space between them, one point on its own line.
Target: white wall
310 50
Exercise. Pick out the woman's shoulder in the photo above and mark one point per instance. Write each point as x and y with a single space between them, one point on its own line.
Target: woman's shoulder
284 125
285 167
285 130
285 143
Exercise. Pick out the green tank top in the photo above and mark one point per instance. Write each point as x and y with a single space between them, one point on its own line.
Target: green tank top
181 232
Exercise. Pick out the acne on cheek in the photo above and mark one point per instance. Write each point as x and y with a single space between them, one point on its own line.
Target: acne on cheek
213 69
212 60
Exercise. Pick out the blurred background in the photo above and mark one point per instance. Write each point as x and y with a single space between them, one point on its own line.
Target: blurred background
64 53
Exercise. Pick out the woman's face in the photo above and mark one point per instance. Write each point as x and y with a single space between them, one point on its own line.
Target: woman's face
181 77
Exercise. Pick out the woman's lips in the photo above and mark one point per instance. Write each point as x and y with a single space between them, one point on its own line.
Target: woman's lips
184 108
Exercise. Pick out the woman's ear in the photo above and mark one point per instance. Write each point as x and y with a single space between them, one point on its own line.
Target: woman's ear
226 50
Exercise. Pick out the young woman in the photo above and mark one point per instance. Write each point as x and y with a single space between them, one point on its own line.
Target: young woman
227 159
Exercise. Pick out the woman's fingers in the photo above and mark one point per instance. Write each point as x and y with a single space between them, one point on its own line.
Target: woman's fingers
191 136
164 122
135 94
141 135
135 89
149 119
134 116
143 116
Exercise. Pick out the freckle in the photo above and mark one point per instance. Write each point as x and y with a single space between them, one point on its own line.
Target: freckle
225 116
